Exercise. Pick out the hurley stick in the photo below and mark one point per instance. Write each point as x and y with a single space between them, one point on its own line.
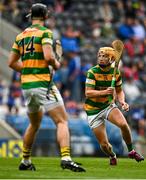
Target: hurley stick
118 47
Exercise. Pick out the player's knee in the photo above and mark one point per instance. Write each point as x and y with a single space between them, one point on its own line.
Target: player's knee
62 123
62 119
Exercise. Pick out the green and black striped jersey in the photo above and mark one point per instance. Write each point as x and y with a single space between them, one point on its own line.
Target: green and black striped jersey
99 80
28 45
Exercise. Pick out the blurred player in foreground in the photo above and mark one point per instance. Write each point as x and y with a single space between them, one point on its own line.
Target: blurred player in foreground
99 108
34 47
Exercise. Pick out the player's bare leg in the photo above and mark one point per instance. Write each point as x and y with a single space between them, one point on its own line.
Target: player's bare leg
59 116
29 137
106 147
117 118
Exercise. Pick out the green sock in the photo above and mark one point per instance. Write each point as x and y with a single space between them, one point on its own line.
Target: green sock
130 147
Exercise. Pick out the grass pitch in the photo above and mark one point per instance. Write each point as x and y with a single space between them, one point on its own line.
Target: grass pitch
96 168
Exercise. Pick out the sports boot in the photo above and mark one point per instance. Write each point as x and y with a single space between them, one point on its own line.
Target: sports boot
134 155
113 161
30 167
71 166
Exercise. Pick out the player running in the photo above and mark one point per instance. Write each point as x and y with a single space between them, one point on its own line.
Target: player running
99 108
34 47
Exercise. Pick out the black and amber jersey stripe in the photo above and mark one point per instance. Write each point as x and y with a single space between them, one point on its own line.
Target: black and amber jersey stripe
99 80
28 45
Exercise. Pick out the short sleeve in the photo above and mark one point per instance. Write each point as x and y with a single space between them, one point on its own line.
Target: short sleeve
90 79
15 47
47 37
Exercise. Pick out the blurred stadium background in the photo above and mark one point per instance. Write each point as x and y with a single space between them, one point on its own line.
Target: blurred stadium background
83 26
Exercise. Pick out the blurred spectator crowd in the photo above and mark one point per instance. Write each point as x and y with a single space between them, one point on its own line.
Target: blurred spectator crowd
83 26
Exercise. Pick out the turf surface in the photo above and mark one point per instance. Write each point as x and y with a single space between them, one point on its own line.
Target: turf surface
96 168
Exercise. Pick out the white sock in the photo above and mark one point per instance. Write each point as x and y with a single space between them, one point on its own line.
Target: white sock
26 161
66 158
113 156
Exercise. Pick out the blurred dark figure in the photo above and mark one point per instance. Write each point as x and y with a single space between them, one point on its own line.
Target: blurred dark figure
74 75
125 30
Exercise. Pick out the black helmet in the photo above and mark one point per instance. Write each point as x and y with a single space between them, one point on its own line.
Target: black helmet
38 11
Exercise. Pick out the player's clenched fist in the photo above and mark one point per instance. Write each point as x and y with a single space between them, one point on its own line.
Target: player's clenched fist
125 106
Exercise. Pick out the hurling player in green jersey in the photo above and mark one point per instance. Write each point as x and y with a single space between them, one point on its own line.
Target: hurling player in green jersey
34 47
99 107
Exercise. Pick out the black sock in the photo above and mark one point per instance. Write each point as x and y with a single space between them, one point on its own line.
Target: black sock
130 147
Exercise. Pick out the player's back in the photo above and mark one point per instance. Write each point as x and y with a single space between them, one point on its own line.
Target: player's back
28 44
